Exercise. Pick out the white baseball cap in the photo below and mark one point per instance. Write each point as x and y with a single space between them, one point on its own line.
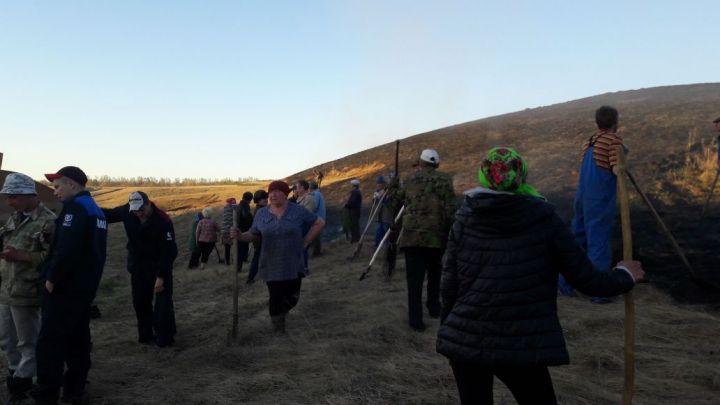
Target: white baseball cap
430 156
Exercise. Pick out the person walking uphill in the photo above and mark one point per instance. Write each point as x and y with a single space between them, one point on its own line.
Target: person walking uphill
72 274
353 208
596 197
227 223
429 201
151 253
499 315
206 236
282 259
25 240
192 242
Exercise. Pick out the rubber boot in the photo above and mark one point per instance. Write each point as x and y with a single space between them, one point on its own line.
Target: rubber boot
278 322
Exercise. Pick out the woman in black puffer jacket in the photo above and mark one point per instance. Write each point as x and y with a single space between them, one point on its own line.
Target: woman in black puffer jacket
499 285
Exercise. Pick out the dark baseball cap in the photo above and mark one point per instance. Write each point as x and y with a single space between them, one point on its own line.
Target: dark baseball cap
71 172
716 120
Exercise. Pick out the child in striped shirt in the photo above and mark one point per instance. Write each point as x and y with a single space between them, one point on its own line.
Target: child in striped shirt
596 196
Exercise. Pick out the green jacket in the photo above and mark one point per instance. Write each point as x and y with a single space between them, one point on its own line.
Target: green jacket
20 284
429 200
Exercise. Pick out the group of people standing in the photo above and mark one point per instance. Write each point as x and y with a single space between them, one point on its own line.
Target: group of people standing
493 265
500 259
51 268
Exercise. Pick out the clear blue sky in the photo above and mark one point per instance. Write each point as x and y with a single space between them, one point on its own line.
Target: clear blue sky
267 88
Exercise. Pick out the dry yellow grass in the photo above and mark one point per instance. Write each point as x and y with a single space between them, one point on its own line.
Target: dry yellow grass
177 200
348 343
699 168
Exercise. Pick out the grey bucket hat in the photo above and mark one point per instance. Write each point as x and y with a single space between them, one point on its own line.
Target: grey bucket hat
18 183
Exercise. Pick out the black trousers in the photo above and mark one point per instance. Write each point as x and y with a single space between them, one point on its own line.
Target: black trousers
284 295
243 250
418 261
228 246
206 249
161 318
64 341
255 263
531 385
354 224
316 246
194 258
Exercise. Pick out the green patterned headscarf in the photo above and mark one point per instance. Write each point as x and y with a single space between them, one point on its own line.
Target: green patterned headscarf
505 170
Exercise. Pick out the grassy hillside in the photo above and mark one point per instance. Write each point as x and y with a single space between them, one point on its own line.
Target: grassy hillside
655 124
348 342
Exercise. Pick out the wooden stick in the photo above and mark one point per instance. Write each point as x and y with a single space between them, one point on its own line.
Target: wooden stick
397 158
236 289
665 229
629 323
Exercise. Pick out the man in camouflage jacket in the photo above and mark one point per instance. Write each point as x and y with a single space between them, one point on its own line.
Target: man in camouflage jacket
25 238
429 201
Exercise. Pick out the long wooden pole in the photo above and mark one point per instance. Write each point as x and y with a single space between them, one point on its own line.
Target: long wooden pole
629 384
236 289
664 228
397 158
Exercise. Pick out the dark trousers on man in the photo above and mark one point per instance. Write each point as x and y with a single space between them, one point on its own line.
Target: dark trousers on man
161 318
254 264
243 250
529 385
418 261
354 224
194 258
63 347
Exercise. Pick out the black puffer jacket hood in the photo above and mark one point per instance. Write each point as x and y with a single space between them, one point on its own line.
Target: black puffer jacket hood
496 213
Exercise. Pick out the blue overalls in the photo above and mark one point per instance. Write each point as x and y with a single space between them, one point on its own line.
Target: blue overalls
595 211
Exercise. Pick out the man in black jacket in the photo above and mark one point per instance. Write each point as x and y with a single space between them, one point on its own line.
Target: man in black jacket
151 253
72 274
